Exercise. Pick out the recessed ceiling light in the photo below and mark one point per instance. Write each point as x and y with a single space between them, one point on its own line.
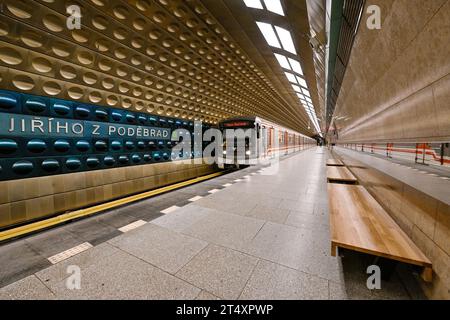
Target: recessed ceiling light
253 4
283 61
274 6
296 66
269 34
286 40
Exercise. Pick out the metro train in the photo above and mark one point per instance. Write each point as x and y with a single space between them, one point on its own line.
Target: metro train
253 140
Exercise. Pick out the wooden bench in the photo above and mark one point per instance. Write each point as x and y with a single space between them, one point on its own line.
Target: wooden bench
359 223
335 162
340 174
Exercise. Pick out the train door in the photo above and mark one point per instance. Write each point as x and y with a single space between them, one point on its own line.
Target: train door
260 140
286 143
270 142
263 142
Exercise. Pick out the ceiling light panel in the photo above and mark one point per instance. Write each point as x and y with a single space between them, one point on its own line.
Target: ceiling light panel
269 34
306 93
301 82
286 39
274 6
283 61
253 4
296 66
291 77
296 88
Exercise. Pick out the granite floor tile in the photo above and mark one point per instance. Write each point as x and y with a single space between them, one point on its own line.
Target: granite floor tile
297 205
166 249
205 295
228 230
221 271
233 205
121 276
295 248
269 214
140 211
306 220
29 288
150 216
166 203
273 281
19 260
337 291
183 218
92 231
323 266
51 242
274 241
60 271
116 219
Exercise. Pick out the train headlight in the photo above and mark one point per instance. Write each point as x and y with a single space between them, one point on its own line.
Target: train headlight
248 152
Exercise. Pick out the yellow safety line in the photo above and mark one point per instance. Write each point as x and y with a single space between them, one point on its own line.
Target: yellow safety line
39 225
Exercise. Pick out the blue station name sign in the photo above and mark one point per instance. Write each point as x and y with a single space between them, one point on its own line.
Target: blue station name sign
42 136
26 125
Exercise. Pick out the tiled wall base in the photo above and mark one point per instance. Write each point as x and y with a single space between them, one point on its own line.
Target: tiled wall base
35 198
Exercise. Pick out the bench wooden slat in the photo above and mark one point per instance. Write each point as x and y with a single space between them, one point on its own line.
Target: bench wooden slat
358 222
340 174
335 162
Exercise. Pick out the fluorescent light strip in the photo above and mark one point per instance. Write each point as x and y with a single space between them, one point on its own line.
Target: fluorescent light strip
286 39
253 4
274 6
269 34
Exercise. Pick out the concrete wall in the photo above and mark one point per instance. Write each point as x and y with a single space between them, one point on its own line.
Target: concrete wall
397 84
423 218
35 198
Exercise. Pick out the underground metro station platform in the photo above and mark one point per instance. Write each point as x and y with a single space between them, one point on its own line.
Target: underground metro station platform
256 150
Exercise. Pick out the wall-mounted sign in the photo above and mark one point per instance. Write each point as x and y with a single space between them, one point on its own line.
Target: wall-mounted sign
24 125
45 136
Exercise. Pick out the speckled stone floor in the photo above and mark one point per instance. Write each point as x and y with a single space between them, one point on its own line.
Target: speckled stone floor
257 233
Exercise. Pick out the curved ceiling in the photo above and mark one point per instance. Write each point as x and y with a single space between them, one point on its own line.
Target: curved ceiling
189 59
241 22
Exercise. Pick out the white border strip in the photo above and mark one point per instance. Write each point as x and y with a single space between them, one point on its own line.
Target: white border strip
132 226
170 210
